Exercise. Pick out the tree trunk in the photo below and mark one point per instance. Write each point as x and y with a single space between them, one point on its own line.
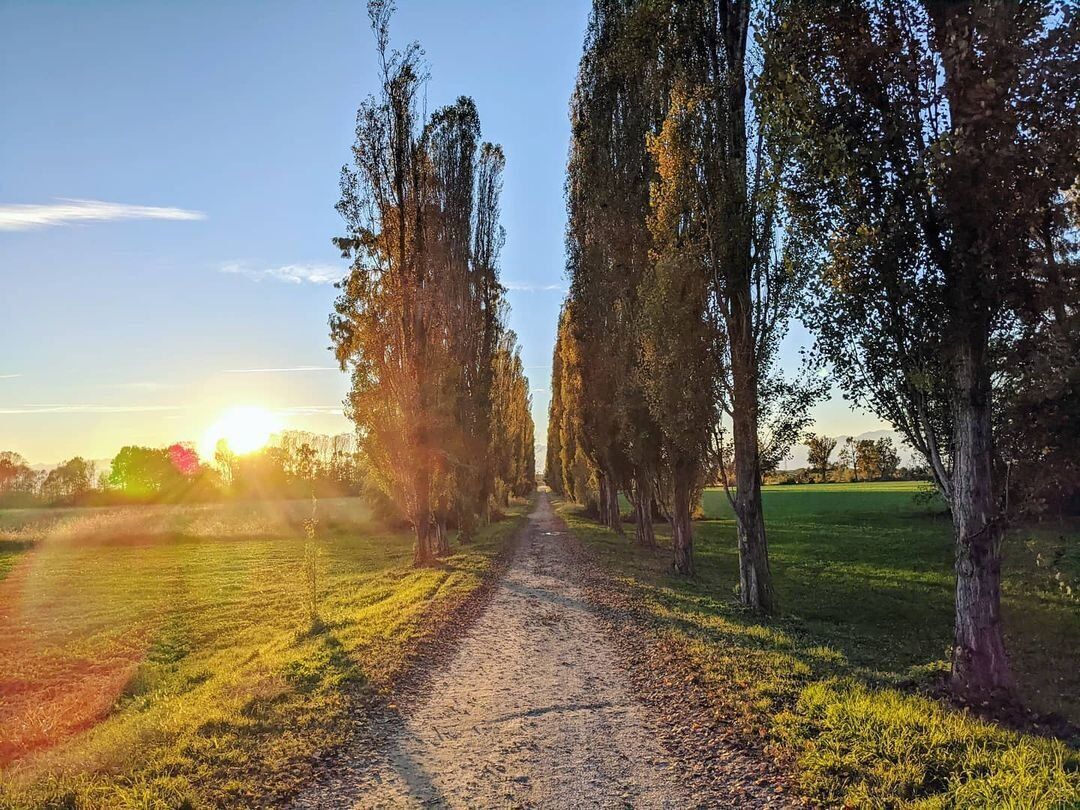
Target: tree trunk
466 522
643 508
980 667
755 579
614 515
441 539
609 503
423 552
602 499
682 539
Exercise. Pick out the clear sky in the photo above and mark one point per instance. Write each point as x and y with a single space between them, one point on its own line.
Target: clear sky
182 160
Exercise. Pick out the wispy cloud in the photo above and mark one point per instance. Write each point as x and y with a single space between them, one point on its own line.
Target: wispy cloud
92 409
290 273
291 370
69 212
139 386
312 410
9 376
518 286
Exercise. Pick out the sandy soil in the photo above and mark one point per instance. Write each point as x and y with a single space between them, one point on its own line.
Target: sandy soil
534 710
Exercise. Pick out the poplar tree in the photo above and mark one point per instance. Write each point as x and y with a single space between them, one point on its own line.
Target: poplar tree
419 321
676 254
577 475
608 243
676 329
512 437
553 472
745 250
386 309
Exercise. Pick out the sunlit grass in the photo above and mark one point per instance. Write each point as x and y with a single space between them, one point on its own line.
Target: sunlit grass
163 654
863 574
873 747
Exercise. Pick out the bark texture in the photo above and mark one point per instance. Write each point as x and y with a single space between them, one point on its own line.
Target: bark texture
442 538
610 514
643 512
424 550
755 578
980 666
682 538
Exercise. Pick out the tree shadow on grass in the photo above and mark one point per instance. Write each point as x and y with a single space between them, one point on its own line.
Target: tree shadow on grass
370 745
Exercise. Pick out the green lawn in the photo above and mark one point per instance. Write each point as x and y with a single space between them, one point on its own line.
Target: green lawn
160 655
863 575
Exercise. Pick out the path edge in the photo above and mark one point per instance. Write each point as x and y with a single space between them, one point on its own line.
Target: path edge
693 728
376 712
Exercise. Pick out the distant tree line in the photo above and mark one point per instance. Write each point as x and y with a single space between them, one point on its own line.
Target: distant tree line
902 177
856 460
21 485
439 395
295 464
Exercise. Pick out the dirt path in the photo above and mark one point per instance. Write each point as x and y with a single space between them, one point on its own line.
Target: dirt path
533 711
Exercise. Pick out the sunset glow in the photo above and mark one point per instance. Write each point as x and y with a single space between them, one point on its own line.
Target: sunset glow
245 429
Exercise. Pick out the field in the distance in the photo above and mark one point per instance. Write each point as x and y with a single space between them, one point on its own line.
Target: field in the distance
863 574
157 654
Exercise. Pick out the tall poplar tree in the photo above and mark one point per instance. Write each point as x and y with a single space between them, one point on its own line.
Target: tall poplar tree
386 309
674 207
419 321
676 329
612 111
743 247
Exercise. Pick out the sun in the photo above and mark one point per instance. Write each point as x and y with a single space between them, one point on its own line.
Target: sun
245 429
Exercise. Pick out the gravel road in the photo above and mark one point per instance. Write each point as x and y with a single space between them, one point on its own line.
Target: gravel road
533 710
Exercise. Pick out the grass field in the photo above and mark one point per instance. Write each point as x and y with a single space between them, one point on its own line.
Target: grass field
863 575
160 655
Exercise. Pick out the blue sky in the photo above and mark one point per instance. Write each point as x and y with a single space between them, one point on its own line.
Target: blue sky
140 325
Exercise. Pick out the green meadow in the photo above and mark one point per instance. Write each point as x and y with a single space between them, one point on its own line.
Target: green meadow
841 682
165 656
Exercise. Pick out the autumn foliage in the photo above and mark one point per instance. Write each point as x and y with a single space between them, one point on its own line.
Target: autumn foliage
438 393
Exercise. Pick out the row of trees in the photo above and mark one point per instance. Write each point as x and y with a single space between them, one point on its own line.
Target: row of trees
22 485
294 464
682 280
439 395
903 177
857 460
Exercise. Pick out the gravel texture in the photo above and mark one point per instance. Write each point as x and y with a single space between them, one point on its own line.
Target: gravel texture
539 706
